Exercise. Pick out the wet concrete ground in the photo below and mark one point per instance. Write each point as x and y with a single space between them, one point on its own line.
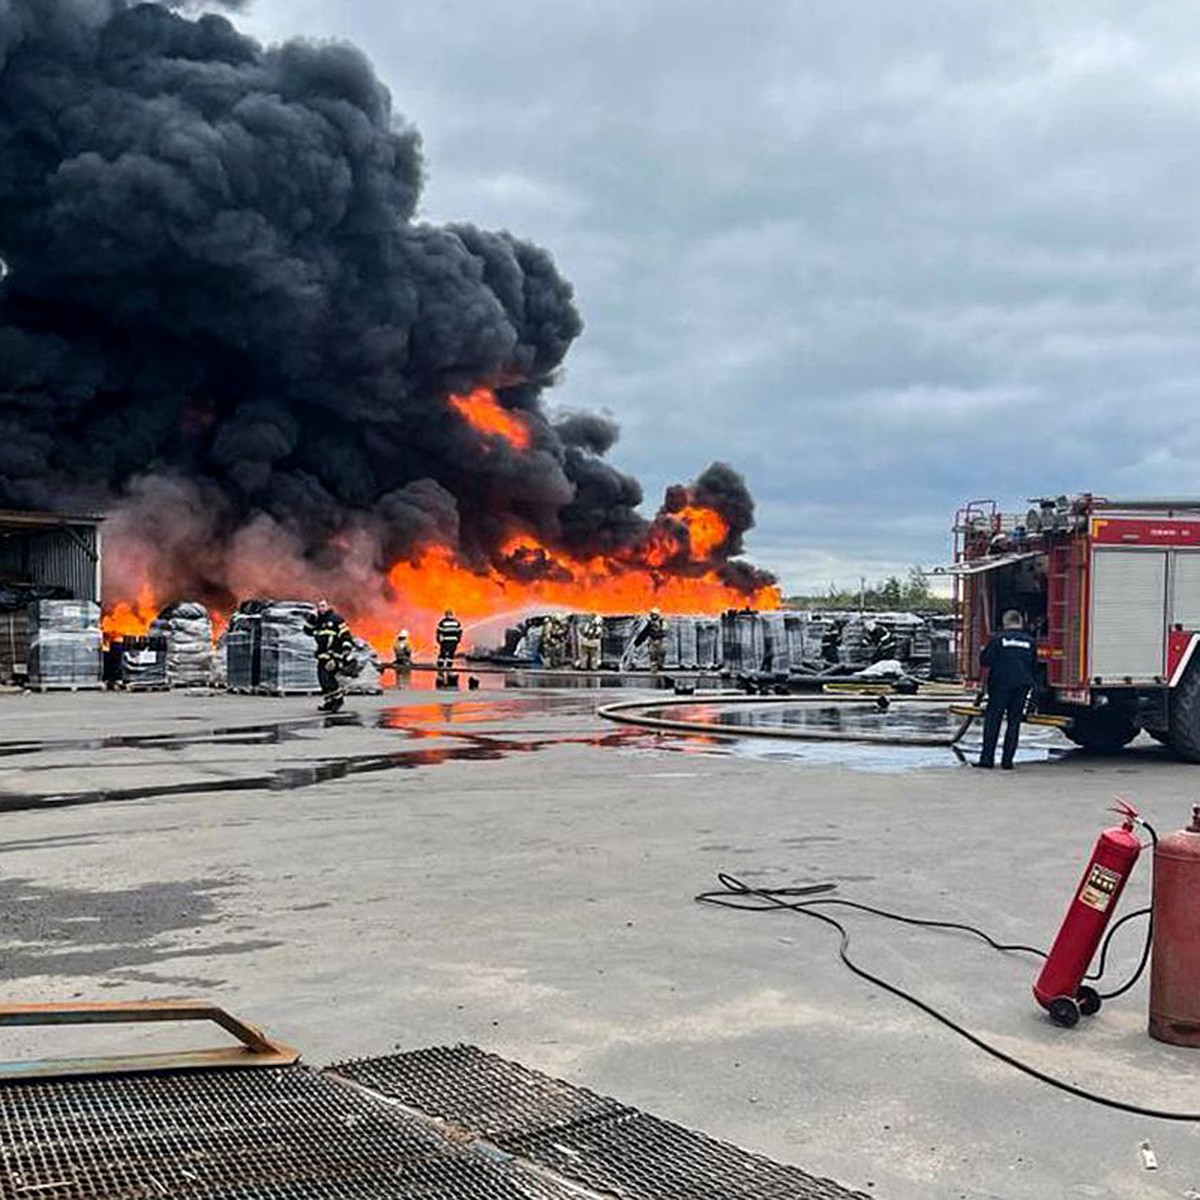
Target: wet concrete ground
504 868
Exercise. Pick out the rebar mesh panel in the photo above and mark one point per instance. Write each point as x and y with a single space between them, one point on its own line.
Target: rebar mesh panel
286 1133
591 1139
491 1096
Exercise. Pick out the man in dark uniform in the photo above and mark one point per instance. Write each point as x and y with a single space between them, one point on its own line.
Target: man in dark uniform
449 634
880 641
335 645
1011 660
656 635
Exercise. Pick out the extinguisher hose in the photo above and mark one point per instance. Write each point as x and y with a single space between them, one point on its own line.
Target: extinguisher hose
1141 912
736 894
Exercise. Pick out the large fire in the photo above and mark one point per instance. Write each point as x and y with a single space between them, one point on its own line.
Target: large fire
527 576
484 413
674 569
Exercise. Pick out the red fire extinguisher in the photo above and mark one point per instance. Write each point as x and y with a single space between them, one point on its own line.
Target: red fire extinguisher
1060 989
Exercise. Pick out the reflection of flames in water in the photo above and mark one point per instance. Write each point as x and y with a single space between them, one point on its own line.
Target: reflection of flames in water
675 568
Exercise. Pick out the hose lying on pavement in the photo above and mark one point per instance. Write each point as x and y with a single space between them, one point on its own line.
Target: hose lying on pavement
629 712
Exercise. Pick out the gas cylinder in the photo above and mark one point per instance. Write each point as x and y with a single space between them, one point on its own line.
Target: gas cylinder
1175 962
1060 988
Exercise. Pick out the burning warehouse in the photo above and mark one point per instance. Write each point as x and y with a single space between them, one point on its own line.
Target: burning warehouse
222 325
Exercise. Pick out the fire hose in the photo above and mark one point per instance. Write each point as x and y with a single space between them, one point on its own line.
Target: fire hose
627 712
738 895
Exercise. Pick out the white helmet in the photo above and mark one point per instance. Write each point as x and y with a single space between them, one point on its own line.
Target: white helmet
656 612
403 633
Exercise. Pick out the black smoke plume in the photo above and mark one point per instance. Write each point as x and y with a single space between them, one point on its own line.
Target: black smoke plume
221 322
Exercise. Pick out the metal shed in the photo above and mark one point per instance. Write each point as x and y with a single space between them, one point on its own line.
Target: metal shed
52 549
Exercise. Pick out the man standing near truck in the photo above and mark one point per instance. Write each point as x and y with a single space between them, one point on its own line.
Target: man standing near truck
1010 659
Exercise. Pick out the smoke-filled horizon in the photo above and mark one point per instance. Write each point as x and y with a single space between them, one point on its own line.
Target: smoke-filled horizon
221 322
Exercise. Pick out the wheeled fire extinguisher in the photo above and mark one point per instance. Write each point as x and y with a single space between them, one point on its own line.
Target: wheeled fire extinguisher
1059 988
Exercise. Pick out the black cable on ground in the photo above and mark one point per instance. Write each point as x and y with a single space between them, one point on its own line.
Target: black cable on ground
777 898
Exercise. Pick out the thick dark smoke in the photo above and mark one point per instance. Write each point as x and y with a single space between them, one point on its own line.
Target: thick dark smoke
221 318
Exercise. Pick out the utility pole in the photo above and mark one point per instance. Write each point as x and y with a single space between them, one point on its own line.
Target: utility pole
862 594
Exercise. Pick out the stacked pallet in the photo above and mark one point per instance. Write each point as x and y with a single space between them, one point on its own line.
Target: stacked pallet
65 645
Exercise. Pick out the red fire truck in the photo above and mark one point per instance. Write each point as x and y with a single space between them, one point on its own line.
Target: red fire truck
1111 590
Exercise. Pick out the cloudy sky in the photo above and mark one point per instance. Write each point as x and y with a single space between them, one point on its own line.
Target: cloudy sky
881 257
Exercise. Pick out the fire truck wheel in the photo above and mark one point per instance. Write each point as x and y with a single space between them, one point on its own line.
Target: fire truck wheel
1102 731
1184 724
1064 1011
1089 1000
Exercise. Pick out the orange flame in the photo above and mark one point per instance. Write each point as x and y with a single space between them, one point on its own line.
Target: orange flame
484 413
130 619
706 529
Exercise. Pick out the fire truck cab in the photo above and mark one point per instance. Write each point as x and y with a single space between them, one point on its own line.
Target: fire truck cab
1111 591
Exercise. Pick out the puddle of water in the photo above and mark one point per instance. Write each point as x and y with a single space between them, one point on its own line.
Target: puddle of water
1037 745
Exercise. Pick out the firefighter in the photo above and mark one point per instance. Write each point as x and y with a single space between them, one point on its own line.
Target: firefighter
334 649
591 633
449 634
554 641
880 641
402 655
656 636
1010 659
831 641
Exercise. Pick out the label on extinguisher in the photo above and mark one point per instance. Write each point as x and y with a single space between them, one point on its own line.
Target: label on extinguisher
1098 890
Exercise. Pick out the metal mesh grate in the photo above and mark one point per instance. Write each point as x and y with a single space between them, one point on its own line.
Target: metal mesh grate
585 1137
272 1134
491 1096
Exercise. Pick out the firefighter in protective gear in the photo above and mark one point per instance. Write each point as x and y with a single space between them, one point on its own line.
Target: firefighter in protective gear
554 641
656 637
449 634
1010 659
591 634
402 655
831 642
334 649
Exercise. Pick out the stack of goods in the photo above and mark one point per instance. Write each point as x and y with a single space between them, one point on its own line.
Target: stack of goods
64 644
742 642
287 658
243 647
619 633
943 648
367 681
137 663
15 599
187 629
708 643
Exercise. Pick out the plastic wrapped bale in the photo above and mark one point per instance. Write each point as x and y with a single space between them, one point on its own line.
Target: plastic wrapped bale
243 650
529 645
795 636
14 644
288 661
618 634
741 641
187 629
708 643
137 663
771 640
368 681
65 644
686 642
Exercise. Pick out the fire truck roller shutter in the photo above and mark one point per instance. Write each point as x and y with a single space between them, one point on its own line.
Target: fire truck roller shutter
1129 615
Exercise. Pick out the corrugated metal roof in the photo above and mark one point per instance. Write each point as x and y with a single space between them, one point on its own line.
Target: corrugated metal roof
16 518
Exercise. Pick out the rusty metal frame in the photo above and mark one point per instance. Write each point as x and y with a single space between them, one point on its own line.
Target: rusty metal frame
255 1049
